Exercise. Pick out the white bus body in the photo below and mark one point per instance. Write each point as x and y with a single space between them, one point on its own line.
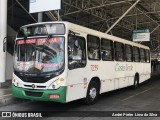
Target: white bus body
108 75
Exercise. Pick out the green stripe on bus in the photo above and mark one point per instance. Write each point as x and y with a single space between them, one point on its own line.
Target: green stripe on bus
20 93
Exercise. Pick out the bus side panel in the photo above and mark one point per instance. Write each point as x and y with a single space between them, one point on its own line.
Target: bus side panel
123 82
139 69
147 70
116 83
76 87
106 72
141 72
120 75
130 72
131 80
107 85
145 73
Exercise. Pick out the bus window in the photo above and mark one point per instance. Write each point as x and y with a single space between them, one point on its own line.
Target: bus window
129 55
142 55
93 44
107 50
76 52
119 51
147 56
136 54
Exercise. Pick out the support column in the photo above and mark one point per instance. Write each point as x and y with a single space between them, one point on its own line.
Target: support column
40 17
3 34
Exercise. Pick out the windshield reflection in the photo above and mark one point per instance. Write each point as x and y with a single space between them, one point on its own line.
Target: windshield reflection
40 55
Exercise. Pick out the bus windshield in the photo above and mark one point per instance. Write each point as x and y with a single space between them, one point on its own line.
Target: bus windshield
39 55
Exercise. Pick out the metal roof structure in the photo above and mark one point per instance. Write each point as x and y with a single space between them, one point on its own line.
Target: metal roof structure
115 17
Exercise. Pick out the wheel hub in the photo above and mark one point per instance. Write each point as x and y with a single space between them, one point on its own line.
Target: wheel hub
93 93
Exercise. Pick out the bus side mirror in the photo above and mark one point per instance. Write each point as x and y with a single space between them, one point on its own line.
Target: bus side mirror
5 44
70 59
76 44
103 54
75 51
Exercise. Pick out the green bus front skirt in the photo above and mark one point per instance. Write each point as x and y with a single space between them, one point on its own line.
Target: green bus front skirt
40 95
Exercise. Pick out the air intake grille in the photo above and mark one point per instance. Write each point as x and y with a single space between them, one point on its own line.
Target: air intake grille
34 79
31 79
34 94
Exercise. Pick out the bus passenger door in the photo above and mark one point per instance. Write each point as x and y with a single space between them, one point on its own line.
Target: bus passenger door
76 64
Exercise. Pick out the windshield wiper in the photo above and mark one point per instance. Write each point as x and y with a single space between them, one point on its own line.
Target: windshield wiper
39 71
47 39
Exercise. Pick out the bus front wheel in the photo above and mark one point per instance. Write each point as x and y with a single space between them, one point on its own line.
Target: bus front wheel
92 93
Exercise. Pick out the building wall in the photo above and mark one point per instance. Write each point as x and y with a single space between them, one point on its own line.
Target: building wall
9 66
11 33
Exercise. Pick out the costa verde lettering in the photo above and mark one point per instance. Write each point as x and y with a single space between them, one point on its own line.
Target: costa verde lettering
123 67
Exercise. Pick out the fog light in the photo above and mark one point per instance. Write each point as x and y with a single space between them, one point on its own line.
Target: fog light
53 86
54 96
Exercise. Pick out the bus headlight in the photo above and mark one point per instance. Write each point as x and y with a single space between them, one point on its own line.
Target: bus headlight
56 84
15 82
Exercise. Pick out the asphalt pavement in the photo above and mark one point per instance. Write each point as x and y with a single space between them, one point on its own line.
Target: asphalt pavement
127 100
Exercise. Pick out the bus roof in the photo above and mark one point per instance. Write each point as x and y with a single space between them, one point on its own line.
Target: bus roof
86 30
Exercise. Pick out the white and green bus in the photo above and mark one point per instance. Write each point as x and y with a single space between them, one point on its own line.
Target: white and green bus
62 62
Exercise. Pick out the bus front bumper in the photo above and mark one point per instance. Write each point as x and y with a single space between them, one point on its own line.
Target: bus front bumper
58 95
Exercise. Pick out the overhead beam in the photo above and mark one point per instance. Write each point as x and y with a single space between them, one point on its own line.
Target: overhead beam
108 27
150 18
122 16
154 12
103 5
144 9
89 12
53 16
155 29
26 11
146 15
96 10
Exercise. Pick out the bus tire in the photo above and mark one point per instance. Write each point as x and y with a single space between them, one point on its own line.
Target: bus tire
92 93
136 82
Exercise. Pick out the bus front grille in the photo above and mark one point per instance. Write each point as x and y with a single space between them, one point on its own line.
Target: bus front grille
34 94
34 79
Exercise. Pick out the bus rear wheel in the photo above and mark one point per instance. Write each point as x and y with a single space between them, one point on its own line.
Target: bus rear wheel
92 93
136 82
